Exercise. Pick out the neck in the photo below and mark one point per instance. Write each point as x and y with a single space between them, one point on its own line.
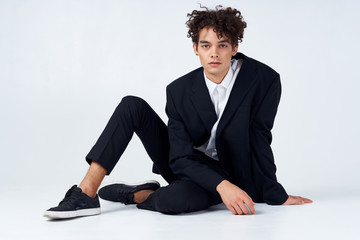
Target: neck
216 78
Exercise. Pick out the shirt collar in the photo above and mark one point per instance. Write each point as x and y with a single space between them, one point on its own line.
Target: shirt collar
226 81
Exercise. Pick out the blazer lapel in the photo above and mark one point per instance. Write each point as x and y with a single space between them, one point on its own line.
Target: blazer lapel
202 101
244 81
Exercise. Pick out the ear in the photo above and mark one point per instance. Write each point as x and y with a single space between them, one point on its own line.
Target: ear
235 49
195 47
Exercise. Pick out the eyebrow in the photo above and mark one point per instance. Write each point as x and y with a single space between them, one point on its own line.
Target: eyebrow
222 41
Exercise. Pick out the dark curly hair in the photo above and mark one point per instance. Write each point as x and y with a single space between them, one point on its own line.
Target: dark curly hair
226 22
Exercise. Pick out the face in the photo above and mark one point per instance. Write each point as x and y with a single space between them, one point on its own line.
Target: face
215 54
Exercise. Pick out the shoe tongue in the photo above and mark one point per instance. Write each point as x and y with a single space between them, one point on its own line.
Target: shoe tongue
75 188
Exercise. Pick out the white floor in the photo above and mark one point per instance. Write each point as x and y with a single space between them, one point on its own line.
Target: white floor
333 215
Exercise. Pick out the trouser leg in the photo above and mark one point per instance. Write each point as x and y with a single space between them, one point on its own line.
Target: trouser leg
180 196
133 114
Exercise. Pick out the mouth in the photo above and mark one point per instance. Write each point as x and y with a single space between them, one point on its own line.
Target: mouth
214 64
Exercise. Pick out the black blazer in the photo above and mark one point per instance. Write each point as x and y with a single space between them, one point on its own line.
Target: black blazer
243 135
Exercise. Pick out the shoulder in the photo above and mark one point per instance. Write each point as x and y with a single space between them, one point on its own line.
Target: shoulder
264 75
261 68
186 81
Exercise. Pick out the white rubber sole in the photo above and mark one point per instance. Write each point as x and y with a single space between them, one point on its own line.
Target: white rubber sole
72 214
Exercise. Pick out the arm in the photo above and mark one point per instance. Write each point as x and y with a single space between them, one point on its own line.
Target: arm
261 153
260 140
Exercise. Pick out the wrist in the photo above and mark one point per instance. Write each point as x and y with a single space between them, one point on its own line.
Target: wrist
222 185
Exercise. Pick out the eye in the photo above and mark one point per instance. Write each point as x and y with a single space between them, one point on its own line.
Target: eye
223 46
205 46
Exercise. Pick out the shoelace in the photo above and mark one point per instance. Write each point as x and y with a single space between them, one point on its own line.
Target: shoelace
125 197
70 195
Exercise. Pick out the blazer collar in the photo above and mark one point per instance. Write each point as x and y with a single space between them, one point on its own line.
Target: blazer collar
202 101
243 83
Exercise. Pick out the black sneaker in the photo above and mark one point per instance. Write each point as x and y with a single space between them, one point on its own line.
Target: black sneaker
75 204
124 193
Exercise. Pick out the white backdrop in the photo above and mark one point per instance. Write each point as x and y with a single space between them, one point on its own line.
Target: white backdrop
65 65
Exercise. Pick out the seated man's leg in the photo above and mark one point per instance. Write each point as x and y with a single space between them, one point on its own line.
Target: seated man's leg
180 196
92 180
132 115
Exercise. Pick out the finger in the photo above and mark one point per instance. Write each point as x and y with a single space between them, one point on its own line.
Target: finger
243 207
231 209
234 211
306 200
301 200
238 209
250 205
248 199
252 209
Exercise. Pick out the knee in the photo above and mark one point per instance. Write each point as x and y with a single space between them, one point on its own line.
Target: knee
131 100
131 103
181 199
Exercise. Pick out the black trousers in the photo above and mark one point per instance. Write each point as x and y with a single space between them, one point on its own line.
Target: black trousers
133 114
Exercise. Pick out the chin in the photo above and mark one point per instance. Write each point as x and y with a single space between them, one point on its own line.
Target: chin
215 73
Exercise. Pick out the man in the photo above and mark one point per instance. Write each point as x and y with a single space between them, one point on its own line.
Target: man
216 147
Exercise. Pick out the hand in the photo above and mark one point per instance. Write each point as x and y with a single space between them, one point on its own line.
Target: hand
235 198
296 200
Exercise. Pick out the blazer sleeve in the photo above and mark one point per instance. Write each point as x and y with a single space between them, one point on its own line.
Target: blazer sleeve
260 140
183 161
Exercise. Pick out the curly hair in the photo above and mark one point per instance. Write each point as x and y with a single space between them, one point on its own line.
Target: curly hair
225 22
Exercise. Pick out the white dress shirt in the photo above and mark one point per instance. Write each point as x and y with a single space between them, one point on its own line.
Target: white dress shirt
219 94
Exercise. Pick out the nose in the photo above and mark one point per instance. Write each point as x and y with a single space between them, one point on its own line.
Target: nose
214 53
